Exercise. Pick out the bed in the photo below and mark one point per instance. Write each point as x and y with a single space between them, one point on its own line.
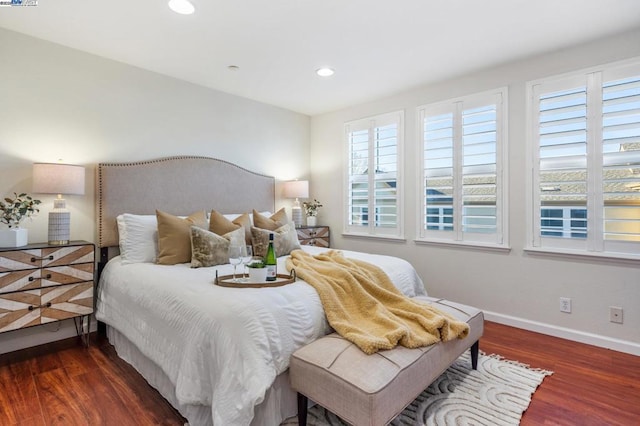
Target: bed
218 355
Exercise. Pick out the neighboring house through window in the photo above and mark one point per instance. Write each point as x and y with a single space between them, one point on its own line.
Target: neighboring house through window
585 162
373 187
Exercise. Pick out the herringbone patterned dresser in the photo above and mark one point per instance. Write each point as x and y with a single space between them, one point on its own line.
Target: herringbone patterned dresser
41 283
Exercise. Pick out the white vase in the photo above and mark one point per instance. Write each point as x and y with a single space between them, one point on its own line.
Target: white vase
257 275
312 221
14 237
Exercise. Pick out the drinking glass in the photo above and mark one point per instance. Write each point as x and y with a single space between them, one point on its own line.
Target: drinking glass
235 258
247 256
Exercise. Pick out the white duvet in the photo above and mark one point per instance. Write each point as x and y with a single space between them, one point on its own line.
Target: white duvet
220 347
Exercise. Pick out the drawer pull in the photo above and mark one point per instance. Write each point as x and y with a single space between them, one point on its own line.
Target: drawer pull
33 258
46 305
47 277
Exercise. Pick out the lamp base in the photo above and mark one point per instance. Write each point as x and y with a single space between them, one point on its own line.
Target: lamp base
59 227
296 215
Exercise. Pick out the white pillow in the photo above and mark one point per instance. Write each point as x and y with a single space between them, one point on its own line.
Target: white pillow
138 238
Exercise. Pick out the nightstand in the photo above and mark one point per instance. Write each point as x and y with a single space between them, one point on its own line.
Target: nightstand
314 236
43 283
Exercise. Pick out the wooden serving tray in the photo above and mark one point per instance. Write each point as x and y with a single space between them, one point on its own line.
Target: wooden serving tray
281 279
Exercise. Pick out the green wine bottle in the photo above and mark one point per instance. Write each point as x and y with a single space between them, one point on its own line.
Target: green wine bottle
271 261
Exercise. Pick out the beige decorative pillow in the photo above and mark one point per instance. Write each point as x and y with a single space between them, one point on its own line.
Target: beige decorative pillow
210 249
285 240
174 236
221 225
277 220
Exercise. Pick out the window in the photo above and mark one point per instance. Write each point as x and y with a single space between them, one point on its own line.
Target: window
463 152
586 162
373 176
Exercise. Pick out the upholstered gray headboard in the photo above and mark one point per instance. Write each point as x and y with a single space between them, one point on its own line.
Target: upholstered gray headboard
177 185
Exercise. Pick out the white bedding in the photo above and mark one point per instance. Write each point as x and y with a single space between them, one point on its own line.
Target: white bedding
220 347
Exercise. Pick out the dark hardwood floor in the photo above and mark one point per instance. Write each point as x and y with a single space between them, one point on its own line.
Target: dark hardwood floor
65 384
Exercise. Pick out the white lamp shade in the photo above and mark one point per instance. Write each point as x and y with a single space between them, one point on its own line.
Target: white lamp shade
296 189
54 178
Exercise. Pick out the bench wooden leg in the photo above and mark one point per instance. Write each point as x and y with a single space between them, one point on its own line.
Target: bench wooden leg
474 354
302 409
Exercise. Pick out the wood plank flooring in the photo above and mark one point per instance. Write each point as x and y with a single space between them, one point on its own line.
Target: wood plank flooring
65 384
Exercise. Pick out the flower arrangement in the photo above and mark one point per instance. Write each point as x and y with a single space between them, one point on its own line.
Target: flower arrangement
311 208
13 211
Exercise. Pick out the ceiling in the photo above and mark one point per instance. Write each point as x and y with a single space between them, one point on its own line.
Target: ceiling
377 47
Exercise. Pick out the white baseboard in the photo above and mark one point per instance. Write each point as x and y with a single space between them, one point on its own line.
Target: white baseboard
565 333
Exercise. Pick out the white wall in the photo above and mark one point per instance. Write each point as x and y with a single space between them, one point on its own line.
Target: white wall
57 102
516 287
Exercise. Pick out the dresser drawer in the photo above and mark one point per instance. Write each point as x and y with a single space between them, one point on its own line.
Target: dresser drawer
25 279
318 242
17 310
314 236
20 259
35 307
69 274
28 279
67 255
315 232
66 301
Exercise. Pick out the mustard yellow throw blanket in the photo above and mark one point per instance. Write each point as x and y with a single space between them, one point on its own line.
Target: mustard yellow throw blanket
364 307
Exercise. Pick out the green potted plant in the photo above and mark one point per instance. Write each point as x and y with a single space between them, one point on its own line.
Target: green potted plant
311 211
257 272
12 212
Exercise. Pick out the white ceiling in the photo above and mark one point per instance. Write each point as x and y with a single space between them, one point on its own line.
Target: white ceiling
378 47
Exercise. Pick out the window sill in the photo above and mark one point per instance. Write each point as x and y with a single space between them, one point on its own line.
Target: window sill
578 254
375 237
465 245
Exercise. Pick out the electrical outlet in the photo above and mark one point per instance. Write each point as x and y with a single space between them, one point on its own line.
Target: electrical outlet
615 314
565 305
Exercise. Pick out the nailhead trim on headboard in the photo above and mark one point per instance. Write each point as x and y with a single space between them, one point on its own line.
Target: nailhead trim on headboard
198 183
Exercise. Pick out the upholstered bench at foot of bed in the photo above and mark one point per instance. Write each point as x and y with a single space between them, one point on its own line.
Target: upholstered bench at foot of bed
372 389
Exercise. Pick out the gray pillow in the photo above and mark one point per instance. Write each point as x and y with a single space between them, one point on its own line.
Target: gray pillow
210 249
285 240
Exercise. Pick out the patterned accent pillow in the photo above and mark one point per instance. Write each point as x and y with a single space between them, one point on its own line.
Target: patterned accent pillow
174 241
285 240
221 225
277 220
210 249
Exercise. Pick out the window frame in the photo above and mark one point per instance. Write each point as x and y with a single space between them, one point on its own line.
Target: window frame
458 237
595 244
371 123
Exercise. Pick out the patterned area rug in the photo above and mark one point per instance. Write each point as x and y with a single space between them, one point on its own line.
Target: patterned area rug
496 394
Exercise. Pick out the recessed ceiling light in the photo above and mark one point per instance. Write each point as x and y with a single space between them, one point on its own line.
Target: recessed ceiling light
233 68
183 7
325 72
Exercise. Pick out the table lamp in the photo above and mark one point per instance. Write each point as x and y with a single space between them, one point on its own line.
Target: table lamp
57 178
296 189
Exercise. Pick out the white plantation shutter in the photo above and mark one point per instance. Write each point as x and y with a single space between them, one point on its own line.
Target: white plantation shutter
586 168
462 161
358 178
439 173
373 193
562 161
621 158
479 170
